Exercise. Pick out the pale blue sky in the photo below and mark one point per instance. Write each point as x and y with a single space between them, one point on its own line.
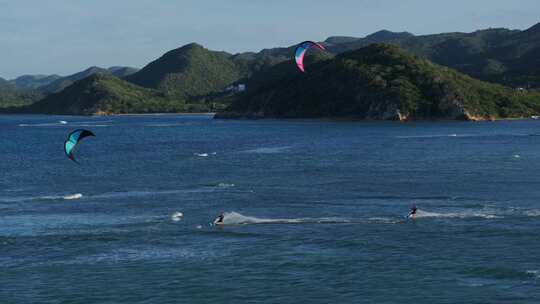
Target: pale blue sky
66 36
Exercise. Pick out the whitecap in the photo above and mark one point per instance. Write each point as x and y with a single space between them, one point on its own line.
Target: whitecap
225 185
177 216
73 196
534 273
533 212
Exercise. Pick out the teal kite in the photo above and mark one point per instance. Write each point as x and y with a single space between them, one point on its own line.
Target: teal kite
72 141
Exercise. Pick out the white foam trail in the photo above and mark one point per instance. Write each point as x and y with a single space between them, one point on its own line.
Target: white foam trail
225 185
63 122
384 220
60 197
88 125
534 273
426 214
127 194
201 154
73 196
533 212
234 218
92 122
431 136
54 124
38 198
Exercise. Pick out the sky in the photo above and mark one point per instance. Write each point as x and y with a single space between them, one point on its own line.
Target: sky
66 36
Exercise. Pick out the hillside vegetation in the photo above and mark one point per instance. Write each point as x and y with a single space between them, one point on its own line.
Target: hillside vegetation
10 96
106 94
380 81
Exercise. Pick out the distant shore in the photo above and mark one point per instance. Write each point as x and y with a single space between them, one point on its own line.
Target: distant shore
162 114
224 116
129 114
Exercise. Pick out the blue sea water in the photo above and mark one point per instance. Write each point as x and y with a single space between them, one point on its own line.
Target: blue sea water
314 211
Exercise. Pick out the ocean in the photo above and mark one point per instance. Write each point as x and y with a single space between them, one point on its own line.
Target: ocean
315 211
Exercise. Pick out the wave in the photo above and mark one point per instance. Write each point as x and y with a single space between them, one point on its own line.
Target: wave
385 220
100 123
89 125
146 193
534 273
235 218
22 199
430 136
123 255
177 216
503 273
404 197
61 197
127 194
115 195
165 125
267 150
93 122
204 154
533 212
225 185
457 135
51 124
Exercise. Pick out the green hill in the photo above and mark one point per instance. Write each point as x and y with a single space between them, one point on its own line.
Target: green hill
63 82
378 82
106 94
10 96
189 72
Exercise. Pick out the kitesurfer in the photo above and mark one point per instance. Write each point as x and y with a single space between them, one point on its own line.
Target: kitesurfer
219 219
412 213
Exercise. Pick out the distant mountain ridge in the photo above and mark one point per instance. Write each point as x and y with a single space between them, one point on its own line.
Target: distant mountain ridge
188 71
100 93
192 74
10 96
33 81
60 83
497 55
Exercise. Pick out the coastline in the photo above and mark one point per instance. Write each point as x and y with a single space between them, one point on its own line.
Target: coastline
235 116
227 116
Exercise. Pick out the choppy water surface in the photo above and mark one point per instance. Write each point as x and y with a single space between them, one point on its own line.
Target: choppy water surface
315 211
